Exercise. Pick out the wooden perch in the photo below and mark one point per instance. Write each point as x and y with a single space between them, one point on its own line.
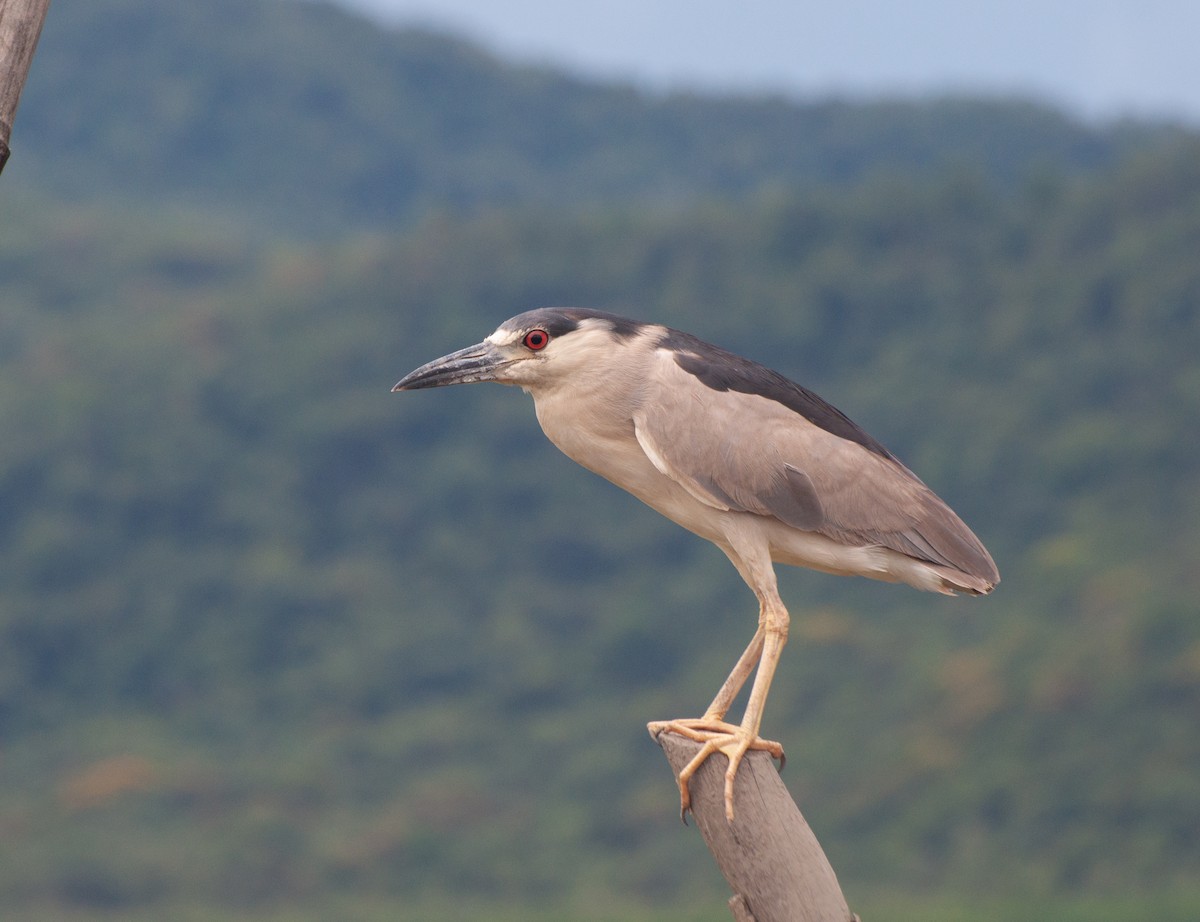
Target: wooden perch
20 27
768 854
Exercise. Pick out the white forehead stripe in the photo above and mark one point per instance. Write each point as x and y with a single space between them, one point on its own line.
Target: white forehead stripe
503 337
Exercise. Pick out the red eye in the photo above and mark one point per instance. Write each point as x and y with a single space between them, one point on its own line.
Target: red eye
536 340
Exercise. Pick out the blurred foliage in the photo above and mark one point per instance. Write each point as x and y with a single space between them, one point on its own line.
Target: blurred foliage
271 635
280 112
278 644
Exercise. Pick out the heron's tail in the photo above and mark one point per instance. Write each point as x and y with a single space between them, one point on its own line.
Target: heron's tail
943 541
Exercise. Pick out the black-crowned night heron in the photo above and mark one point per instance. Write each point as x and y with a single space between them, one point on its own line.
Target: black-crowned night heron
738 454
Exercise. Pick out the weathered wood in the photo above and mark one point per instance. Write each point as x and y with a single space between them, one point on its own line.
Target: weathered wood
20 27
769 855
740 909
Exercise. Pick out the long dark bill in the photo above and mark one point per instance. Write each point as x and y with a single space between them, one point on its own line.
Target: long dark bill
466 366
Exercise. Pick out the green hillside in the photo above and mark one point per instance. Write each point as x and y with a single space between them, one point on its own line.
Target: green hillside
289 114
274 637
277 644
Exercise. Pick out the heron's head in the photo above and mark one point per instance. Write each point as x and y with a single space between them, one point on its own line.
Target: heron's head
533 350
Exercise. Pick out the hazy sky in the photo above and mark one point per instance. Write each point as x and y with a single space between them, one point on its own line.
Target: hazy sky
1097 57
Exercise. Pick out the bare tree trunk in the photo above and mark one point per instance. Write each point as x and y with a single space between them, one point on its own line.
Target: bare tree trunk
20 27
768 854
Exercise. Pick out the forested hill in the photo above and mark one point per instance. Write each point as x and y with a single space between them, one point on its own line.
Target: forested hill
272 637
277 644
306 116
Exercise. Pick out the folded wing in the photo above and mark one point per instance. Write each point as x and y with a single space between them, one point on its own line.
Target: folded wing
759 443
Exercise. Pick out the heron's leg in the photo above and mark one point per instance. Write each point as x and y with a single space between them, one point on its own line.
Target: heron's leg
737 741
775 636
702 728
712 731
737 678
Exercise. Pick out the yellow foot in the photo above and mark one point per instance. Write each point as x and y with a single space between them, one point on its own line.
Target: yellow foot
715 736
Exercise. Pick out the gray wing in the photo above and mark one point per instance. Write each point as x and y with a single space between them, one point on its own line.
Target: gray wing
749 453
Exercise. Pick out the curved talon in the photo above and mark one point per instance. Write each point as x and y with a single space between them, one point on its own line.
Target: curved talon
715 735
